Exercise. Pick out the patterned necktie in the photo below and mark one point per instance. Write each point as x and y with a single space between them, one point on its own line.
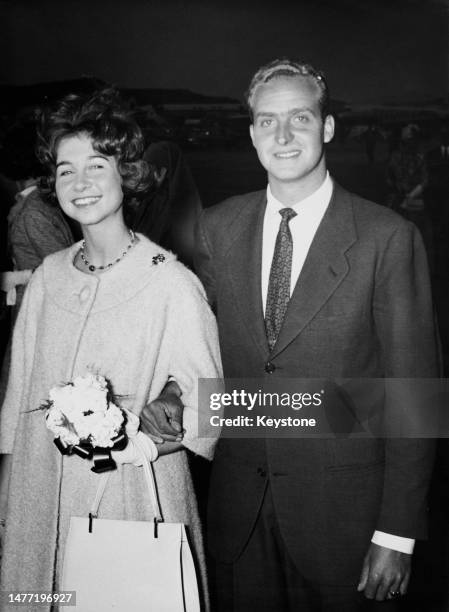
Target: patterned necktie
278 293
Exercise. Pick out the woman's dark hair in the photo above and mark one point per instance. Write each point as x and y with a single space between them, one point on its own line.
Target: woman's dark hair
109 122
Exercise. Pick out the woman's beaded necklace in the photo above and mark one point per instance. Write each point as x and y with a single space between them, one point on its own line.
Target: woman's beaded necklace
92 268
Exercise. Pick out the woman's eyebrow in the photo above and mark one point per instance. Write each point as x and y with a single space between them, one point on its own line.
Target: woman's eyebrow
62 162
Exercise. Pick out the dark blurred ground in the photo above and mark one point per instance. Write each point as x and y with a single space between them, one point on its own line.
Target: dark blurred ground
222 173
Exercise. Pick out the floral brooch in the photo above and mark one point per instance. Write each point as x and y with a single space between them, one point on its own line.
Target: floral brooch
157 259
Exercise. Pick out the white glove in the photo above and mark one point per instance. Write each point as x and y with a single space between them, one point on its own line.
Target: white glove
132 423
132 453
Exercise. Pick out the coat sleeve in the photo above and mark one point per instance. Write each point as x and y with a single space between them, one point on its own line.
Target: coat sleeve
195 355
203 260
22 352
407 334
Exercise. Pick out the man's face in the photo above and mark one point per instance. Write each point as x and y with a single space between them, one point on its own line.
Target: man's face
288 131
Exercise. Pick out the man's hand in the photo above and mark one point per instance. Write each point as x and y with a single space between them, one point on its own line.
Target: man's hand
385 571
161 419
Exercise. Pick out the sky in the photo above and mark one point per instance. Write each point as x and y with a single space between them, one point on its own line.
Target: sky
372 51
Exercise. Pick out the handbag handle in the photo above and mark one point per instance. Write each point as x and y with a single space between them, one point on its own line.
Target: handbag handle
151 486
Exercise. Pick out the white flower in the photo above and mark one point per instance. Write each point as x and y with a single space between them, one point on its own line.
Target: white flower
108 427
91 381
58 424
81 411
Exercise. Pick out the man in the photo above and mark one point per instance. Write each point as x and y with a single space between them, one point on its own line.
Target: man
334 286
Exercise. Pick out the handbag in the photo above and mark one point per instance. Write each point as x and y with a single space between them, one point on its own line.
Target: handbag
129 565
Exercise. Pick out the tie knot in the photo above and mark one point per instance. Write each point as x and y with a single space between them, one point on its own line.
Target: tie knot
287 214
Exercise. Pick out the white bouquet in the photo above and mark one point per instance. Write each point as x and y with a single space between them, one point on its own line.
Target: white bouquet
85 421
83 411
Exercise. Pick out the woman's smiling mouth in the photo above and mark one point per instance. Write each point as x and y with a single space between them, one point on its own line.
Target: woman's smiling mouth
86 201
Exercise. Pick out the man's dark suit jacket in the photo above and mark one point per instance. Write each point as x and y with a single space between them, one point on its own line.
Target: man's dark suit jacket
361 309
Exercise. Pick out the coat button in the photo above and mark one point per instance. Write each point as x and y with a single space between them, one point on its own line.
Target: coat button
262 473
84 294
269 367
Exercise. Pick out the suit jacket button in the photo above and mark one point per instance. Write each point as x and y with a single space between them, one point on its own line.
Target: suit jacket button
269 367
261 472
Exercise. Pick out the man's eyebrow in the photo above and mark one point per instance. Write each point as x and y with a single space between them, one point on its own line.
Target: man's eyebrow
96 156
265 114
291 111
302 109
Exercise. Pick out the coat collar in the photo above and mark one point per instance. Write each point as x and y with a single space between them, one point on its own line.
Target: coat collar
75 291
325 267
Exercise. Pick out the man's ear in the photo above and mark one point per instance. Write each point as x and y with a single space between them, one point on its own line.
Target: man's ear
251 133
329 128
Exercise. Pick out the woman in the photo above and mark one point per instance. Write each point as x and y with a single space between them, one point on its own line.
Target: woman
115 303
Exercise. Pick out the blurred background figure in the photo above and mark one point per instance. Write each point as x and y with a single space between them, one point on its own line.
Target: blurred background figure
371 138
5 265
407 179
168 213
36 227
437 197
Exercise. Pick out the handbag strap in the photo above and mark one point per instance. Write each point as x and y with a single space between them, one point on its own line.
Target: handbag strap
150 482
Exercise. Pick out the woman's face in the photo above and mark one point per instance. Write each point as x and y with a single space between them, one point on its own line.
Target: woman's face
88 183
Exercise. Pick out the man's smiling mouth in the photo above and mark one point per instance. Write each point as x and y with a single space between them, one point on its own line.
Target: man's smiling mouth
287 154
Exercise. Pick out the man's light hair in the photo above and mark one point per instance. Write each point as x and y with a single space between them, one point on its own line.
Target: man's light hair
288 68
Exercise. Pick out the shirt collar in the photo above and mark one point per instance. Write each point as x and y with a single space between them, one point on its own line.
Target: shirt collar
319 198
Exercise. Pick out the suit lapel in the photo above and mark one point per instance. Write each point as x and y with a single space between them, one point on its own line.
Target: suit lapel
244 262
324 268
